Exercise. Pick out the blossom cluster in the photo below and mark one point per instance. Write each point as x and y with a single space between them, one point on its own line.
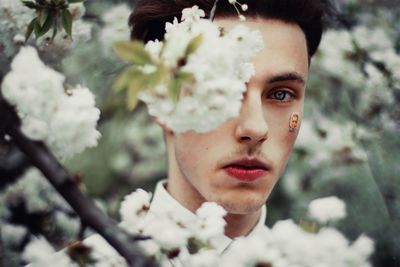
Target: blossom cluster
326 140
286 244
115 26
189 241
369 55
15 18
217 64
64 119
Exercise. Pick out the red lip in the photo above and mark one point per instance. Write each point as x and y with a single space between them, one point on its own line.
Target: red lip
247 170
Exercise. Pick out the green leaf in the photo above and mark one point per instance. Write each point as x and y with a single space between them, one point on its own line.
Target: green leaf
174 87
132 52
30 4
37 27
123 80
185 76
66 18
43 15
55 29
194 44
29 31
46 26
134 88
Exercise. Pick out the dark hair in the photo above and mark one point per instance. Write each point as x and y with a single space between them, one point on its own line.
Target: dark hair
148 19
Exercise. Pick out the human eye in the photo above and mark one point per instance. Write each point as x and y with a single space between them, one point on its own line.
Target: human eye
281 95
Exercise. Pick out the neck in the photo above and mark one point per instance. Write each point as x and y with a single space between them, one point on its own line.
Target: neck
241 224
236 224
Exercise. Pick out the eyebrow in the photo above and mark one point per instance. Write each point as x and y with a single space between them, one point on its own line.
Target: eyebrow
287 76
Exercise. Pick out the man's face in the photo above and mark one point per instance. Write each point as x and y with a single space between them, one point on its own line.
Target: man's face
220 166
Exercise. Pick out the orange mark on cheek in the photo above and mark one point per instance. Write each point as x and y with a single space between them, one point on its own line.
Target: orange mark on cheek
294 121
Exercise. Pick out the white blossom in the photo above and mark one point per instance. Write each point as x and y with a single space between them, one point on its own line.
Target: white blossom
65 122
204 258
327 209
40 253
73 127
212 221
115 26
221 66
135 206
12 235
192 14
14 16
81 32
166 232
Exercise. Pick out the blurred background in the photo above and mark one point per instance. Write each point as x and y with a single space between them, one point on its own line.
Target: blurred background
348 145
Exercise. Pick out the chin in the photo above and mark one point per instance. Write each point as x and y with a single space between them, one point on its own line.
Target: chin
248 203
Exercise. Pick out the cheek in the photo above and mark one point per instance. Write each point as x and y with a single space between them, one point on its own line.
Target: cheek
190 150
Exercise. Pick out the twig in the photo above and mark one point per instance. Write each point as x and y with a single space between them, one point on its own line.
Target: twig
83 205
213 10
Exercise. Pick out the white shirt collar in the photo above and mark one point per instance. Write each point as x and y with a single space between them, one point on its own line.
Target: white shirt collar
163 201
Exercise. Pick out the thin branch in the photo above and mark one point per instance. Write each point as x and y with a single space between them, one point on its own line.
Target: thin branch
213 10
83 205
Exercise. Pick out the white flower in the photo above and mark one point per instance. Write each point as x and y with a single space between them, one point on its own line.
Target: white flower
14 16
73 126
77 10
327 209
192 14
166 232
221 66
212 222
40 253
115 26
66 123
154 48
211 210
364 246
30 84
135 206
12 235
204 258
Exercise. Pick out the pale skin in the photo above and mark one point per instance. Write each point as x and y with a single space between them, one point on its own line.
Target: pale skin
261 131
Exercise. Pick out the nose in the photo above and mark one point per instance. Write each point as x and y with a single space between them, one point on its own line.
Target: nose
252 127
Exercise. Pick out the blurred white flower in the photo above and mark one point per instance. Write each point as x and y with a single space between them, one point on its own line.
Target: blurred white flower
12 235
115 26
325 140
204 258
73 127
166 232
77 10
66 123
81 32
286 244
364 246
40 253
327 209
135 206
192 14
221 66
212 221
14 16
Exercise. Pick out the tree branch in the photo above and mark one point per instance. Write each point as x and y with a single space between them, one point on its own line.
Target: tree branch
83 205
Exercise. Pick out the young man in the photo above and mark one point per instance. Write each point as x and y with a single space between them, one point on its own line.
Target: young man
238 164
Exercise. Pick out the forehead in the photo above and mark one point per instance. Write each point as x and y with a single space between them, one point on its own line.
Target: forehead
285 48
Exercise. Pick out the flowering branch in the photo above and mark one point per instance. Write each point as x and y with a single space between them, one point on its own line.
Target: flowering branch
84 206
